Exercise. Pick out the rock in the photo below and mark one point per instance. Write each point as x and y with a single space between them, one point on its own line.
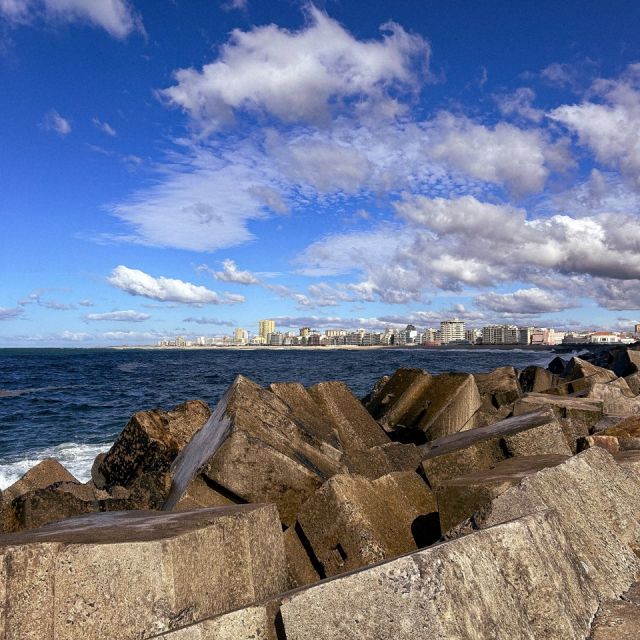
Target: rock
582 375
609 443
130 575
577 416
200 495
598 502
256 448
557 366
378 461
459 498
537 379
501 386
633 382
149 443
616 620
547 439
351 521
520 580
41 476
616 397
303 567
477 457
251 623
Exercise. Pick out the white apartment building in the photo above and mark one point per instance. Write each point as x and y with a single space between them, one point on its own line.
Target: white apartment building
451 331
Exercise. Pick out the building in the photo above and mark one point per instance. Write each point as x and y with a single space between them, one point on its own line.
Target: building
451 331
408 335
266 328
181 342
636 329
603 337
275 339
524 334
431 337
472 336
501 334
240 336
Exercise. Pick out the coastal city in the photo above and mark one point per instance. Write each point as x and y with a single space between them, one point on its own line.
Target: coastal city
451 332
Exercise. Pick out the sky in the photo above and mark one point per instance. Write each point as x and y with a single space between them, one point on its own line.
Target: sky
184 167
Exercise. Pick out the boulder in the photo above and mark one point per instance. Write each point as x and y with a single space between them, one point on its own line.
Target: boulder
352 521
131 575
251 623
149 443
537 379
557 366
616 397
547 439
598 501
633 382
623 361
622 435
303 567
388 392
45 473
522 579
500 386
459 498
582 375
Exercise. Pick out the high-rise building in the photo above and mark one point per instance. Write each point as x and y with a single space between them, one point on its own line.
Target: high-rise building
266 328
451 331
240 336
637 328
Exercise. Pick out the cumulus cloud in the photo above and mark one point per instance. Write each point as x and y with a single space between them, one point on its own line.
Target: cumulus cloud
235 5
519 103
461 242
522 159
53 121
611 126
10 313
297 76
119 316
231 273
139 283
524 302
117 17
105 127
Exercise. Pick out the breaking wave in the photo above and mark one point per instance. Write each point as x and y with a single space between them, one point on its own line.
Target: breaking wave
75 457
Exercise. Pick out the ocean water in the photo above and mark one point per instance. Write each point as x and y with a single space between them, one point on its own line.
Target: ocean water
70 404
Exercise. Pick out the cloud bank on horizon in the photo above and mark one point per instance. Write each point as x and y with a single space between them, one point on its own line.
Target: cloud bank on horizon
291 160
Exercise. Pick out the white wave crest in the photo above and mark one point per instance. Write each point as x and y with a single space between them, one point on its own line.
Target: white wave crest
75 457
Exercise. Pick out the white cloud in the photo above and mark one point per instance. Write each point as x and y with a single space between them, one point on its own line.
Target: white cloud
521 159
105 127
610 127
119 316
117 17
299 76
519 103
235 5
53 121
524 302
139 283
231 273
209 320
86 303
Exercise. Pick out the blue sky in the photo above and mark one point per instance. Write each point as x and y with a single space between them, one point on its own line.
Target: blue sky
184 167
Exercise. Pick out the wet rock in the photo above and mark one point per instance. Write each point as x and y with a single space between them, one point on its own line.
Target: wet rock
130 575
501 386
351 521
459 498
522 580
149 443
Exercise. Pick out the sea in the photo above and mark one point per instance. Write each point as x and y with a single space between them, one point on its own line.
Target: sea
71 404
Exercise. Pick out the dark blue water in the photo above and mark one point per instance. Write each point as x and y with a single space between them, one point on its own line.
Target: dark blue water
70 404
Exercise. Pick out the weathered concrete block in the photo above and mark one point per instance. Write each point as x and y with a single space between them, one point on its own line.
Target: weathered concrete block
200 495
149 443
300 567
389 392
616 397
459 498
130 575
477 457
453 401
599 504
257 449
633 381
547 439
537 379
501 386
351 522
250 623
519 580
582 375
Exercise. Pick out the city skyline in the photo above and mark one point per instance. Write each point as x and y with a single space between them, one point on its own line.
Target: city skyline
173 168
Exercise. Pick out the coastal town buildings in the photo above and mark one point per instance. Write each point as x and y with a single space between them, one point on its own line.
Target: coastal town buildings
451 331
266 328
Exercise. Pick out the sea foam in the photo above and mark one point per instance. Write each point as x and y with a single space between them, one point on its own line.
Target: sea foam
75 457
